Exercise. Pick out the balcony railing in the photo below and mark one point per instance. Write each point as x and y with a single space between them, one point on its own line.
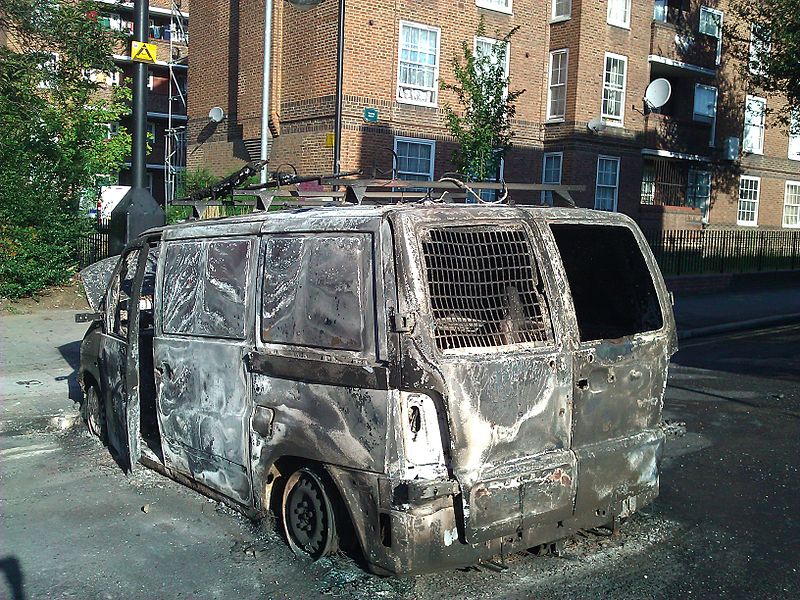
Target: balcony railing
677 134
677 41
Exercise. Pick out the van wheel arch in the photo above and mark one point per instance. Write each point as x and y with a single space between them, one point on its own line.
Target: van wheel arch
92 408
275 483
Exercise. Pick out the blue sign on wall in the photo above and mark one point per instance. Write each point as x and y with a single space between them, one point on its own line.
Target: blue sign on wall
371 115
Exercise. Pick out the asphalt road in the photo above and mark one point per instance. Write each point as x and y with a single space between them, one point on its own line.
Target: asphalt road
726 524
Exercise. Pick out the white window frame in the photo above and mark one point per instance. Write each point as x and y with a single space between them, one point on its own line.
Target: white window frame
435 89
705 118
597 177
557 18
551 117
794 138
411 140
610 119
754 222
547 197
796 203
495 42
758 49
495 6
762 127
716 13
625 23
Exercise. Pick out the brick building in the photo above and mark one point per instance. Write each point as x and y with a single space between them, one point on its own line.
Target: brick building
166 83
585 66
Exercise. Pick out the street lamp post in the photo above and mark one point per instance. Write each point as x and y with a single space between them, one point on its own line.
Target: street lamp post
138 210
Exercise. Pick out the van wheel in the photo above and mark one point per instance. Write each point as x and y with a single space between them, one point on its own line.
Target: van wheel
307 513
94 414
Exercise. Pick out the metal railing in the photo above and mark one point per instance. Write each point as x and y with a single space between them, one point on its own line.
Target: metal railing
707 251
93 246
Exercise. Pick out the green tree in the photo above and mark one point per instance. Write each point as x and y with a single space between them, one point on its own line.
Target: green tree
55 147
482 125
770 62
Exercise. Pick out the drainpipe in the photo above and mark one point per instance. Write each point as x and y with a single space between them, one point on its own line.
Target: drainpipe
337 141
266 88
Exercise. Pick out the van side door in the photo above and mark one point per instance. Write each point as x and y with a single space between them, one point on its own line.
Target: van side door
120 326
203 332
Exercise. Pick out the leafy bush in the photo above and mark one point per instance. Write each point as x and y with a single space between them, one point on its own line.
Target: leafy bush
54 145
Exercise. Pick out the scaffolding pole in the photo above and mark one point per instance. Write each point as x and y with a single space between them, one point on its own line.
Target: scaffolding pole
175 150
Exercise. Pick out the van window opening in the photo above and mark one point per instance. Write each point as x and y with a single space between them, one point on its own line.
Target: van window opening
207 288
485 290
611 285
317 291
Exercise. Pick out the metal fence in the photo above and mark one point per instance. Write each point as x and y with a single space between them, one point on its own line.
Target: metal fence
689 252
93 246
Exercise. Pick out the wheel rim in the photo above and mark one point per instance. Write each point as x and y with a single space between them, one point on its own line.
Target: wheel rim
307 515
94 414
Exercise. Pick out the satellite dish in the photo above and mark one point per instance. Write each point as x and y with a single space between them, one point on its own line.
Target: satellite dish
216 114
596 125
304 4
657 93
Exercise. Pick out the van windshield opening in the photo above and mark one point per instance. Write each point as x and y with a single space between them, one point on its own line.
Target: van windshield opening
611 285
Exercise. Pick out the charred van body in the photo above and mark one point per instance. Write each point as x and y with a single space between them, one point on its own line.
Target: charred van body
445 383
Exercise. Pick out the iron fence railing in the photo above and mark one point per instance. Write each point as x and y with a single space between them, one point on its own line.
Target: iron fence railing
94 245
706 251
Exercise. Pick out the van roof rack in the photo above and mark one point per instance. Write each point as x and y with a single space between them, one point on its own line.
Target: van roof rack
348 189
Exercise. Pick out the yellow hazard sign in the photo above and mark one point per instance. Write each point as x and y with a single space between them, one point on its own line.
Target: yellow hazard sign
143 52
330 139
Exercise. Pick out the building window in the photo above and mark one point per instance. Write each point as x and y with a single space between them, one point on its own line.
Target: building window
487 47
698 191
705 108
760 45
748 200
551 173
112 130
414 158
562 10
619 13
711 24
606 191
503 6
418 68
794 137
151 132
791 204
557 90
754 122
616 67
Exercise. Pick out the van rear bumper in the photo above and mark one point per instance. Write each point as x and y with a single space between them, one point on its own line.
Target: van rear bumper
615 478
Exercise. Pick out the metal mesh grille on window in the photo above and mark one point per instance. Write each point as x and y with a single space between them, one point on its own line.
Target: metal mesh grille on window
484 288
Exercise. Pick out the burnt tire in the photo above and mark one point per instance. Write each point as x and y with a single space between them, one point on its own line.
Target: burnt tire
94 413
308 516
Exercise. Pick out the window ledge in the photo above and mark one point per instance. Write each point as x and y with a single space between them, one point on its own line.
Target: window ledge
753 152
784 226
416 103
560 19
496 9
554 120
746 223
796 157
619 25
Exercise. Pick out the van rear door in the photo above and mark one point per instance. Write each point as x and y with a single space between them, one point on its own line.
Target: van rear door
495 341
625 338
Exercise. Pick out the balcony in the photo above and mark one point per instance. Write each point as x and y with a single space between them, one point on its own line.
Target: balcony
678 44
678 135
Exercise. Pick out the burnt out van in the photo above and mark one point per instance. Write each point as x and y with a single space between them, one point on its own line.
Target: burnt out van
437 383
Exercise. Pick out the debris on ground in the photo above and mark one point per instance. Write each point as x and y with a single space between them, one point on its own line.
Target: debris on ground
673 428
